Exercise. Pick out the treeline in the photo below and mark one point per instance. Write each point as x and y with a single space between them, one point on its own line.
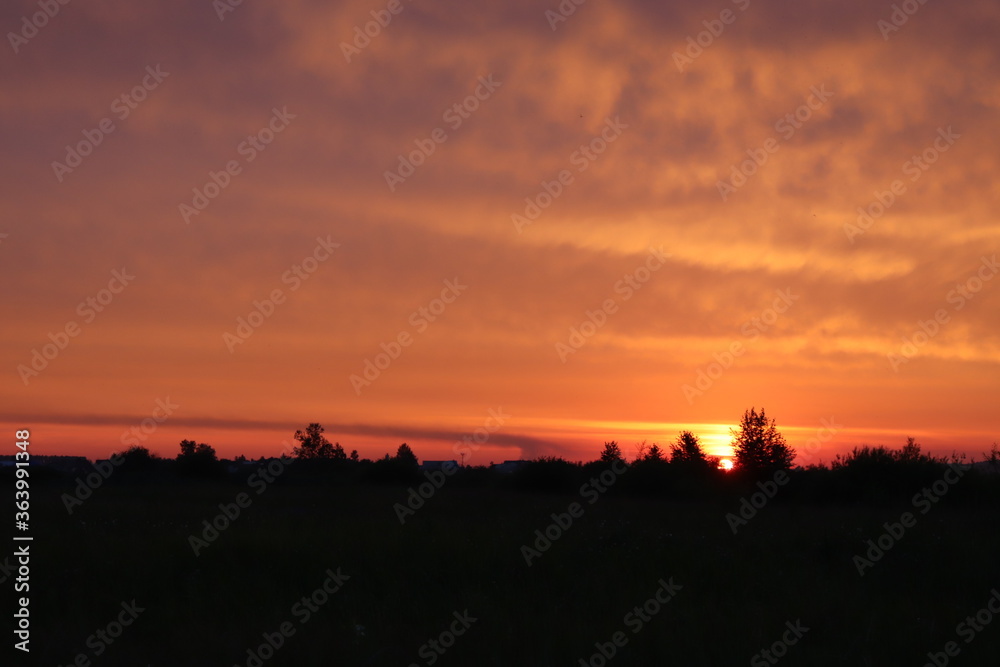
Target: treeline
683 471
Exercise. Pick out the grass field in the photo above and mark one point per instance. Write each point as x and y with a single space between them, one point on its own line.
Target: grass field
462 551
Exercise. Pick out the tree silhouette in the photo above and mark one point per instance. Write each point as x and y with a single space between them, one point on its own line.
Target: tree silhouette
191 450
759 445
314 445
881 457
687 451
993 458
911 453
640 451
612 452
406 457
654 453
197 458
137 457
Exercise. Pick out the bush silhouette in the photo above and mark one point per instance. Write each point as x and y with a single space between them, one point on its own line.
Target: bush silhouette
197 459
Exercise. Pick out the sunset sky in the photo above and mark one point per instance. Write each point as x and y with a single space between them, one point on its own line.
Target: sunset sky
544 212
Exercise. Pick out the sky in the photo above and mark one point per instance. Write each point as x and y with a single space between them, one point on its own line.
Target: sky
538 227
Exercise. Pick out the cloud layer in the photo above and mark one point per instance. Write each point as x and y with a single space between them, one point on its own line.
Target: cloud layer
739 138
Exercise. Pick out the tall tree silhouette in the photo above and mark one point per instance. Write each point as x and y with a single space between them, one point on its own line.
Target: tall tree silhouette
687 451
759 445
314 445
654 453
612 452
406 457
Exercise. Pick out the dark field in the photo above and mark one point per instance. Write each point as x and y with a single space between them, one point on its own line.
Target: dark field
461 551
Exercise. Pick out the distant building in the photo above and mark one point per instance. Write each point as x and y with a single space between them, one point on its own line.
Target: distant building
509 466
73 465
438 465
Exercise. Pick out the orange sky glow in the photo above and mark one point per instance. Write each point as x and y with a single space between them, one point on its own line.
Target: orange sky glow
484 222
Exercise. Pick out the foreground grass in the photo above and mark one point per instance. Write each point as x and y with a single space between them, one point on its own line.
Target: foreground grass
462 551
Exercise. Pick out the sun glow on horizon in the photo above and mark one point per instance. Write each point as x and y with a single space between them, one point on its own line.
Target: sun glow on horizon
715 438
